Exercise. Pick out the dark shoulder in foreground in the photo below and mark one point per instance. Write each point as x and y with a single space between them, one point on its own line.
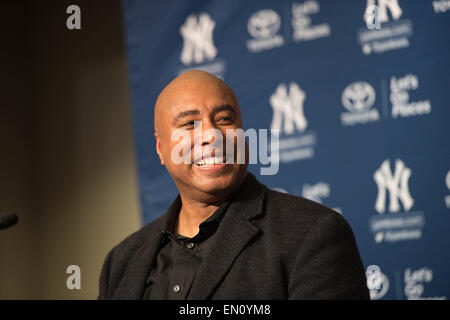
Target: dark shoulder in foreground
135 240
296 210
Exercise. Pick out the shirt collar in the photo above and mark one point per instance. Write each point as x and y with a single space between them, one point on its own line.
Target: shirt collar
206 228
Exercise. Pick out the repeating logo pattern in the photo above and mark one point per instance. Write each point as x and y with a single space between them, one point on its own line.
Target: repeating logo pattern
197 34
378 11
377 282
377 101
199 50
441 6
416 282
396 225
263 26
396 184
384 31
358 98
287 108
400 97
288 116
304 30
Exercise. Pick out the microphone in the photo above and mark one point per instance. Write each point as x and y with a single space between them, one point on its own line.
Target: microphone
8 221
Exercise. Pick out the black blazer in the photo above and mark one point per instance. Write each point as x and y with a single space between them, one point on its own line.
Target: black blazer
269 245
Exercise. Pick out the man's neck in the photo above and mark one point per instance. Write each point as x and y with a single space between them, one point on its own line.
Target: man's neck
194 211
192 214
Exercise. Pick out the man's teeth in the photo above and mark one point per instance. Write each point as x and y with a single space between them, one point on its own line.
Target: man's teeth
209 161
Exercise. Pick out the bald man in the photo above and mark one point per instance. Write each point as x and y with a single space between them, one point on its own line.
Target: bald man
227 236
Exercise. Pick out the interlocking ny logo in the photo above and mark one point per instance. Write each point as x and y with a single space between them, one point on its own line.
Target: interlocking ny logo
378 13
397 184
197 32
289 105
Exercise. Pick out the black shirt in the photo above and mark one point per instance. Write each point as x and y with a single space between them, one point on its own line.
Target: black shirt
180 257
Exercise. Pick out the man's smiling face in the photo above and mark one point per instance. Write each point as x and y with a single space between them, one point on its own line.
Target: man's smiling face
195 98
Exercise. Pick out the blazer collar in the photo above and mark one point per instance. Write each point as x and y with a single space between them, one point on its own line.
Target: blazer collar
132 285
234 232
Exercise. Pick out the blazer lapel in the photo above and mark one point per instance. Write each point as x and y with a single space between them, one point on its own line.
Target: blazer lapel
133 283
234 233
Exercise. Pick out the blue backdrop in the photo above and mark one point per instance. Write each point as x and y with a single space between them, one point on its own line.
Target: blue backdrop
359 91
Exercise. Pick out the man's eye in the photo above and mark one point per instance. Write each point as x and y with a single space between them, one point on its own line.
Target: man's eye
188 124
224 119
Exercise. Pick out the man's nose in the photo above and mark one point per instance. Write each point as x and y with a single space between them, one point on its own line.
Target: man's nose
208 135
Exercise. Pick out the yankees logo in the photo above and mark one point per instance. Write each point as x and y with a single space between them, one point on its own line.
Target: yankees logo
197 33
288 108
396 183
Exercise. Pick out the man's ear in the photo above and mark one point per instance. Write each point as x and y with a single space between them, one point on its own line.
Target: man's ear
158 149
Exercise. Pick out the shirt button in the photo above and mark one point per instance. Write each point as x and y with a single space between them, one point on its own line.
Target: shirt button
190 245
176 288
